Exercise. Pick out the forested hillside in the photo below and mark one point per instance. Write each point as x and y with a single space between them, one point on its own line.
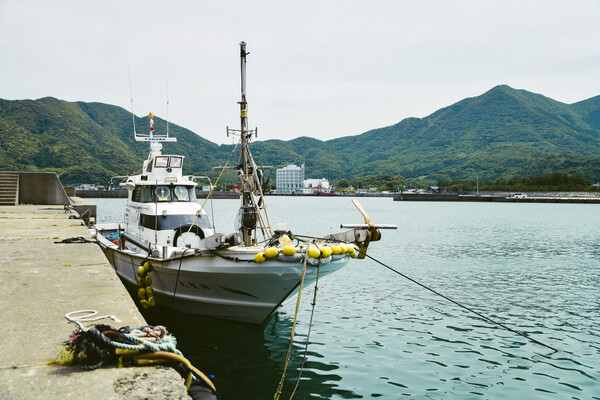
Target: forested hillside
500 134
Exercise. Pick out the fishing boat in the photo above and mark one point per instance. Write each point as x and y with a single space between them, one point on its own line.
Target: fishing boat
168 248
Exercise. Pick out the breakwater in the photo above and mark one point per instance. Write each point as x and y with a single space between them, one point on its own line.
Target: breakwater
591 198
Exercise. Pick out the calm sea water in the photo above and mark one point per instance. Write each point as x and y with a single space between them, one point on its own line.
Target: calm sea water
533 267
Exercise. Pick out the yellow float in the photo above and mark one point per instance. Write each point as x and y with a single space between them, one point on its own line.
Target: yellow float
260 257
289 250
325 251
271 252
313 252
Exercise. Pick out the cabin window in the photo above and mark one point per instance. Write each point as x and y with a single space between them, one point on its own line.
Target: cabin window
175 162
137 192
150 194
143 194
161 161
147 194
167 162
163 193
181 193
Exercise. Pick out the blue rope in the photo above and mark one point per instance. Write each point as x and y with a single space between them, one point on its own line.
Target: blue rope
167 343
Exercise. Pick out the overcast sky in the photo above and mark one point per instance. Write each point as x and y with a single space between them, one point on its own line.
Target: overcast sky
319 68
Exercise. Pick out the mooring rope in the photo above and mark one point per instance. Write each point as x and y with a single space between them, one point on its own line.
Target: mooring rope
447 298
289 350
459 304
177 279
312 312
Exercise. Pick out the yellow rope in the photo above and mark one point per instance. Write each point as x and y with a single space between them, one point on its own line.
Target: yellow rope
289 351
162 356
314 303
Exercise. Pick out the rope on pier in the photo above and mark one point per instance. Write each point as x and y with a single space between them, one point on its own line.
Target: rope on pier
89 317
147 345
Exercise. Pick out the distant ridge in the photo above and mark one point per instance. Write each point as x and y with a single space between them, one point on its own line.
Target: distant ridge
501 133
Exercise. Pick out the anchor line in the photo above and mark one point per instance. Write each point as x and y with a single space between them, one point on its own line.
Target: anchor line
447 298
461 305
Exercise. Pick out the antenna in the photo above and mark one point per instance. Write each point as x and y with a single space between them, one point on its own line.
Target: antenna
167 103
131 95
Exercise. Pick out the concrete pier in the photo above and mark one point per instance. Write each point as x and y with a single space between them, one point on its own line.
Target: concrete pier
40 282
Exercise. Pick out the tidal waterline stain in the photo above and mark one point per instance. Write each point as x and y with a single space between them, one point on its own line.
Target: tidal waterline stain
533 267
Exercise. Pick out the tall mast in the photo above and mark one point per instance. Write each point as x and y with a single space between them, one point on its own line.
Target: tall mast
253 209
248 211
244 112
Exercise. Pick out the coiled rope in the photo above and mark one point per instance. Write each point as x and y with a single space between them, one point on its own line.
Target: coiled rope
167 343
148 345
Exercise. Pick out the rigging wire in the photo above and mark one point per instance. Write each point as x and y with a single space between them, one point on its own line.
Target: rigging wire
131 95
167 103
459 304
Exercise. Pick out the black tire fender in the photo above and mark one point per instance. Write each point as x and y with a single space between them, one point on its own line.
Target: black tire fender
183 229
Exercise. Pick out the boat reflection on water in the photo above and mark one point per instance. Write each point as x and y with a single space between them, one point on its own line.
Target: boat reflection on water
247 360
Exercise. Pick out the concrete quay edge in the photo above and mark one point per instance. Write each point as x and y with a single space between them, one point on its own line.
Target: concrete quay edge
40 282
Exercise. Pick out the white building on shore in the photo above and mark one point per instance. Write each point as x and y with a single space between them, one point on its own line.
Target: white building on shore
316 186
289 179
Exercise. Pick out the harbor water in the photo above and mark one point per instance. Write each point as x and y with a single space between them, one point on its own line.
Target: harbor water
533 267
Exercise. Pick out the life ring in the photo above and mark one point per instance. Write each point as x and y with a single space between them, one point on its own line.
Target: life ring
195 229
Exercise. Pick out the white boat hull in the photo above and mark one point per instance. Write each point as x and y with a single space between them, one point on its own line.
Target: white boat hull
218 285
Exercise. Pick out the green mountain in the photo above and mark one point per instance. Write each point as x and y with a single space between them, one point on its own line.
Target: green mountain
86 142
502 133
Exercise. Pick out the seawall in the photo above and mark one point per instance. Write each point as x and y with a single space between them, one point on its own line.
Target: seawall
504 198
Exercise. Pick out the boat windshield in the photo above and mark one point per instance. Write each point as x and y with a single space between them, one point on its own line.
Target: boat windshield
163 193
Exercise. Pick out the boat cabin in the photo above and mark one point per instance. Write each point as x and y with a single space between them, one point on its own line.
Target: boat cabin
161 206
